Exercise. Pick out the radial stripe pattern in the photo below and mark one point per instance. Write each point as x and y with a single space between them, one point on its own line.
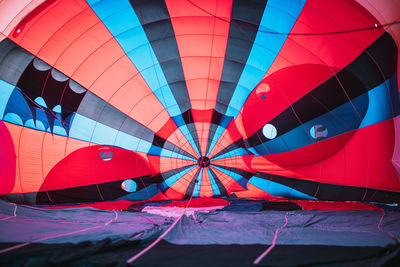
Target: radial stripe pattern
169 99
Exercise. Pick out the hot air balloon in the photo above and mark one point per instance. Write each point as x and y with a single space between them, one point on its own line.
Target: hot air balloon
153 100
120 117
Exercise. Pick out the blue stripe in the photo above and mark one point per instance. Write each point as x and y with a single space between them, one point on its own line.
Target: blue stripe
379 108
86 129
237 177
121 20
341 120
196 191
214 185
279 17
237 152
218 133
174 178
277 189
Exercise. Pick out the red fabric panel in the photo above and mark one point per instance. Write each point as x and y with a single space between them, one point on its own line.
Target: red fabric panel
84 167
228 182
106 205
334 205
164 164
20 27
286 86
307 46
69 36
254 192
242 162
229 136
311 153
7 160
364 161
199 202
201 30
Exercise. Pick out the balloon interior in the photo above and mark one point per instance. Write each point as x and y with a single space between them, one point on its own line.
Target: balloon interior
146 101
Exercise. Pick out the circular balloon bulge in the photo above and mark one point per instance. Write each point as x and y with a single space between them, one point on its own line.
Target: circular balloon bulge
319 132
129 185
269 131
40 65
58 76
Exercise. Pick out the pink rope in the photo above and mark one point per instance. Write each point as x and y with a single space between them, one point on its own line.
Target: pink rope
15 214
273 242
59 235
387 232
132 259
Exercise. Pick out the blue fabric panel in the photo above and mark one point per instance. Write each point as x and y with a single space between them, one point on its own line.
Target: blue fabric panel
196 191
144 194
341 120
171 154
279 17
89 130
237 152
237 177
18 112
40 101
277 189
124 25
185 131
155 151
6 90
14 118
179 121
171 180
379 108
214 185
217 135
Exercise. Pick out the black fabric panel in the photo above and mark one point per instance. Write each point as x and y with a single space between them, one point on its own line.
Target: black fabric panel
215 121
324 191
247 175
188 119
13 61
190 189
360 76
176 149
90 193
245 20
170 173
378 63
108 253
154 17
211 134
53 93
284 206
81 194
238 144
97 109
22 198
33 81
36 83
161 142
221 187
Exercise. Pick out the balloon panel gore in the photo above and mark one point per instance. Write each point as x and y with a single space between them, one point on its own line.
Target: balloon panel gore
319 132
129 185
269 131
